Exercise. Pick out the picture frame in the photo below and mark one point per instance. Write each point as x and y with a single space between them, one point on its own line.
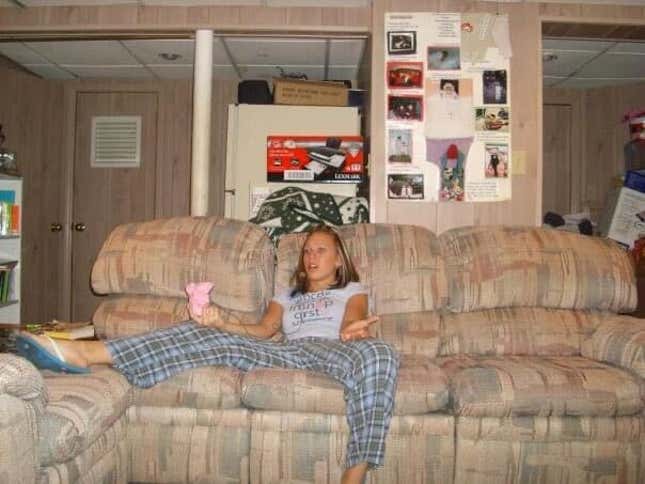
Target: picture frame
405 108
405 75
402 42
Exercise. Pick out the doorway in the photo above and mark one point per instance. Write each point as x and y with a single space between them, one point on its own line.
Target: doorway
592 75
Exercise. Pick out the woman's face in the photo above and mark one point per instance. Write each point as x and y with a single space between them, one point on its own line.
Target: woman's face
321 259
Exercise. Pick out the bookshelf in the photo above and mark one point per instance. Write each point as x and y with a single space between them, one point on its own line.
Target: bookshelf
10 248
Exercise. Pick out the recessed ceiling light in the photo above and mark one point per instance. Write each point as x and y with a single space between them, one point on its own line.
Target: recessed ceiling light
170 56
549 57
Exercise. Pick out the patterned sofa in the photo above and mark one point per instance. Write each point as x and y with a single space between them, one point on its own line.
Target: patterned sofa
516 365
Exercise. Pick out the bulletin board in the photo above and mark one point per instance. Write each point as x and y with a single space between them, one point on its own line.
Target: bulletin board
448 107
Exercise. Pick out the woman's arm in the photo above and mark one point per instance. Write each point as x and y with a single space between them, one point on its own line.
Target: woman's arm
356 323
269 324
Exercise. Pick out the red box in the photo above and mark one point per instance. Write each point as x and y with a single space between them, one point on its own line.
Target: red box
326 159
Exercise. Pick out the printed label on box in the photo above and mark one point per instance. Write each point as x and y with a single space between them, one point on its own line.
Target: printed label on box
327 159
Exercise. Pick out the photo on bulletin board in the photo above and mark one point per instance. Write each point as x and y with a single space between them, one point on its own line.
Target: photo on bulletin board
492 119
442 58
495 87
405 108
402 42
449 88
405 75
496 160
405 186
399 146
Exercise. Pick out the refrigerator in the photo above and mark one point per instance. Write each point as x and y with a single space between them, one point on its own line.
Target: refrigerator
249 125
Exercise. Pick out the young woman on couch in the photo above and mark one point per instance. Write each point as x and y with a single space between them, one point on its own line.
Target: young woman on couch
324 318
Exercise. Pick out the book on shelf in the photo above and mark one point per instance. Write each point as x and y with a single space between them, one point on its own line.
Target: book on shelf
68 330
9 214
6 279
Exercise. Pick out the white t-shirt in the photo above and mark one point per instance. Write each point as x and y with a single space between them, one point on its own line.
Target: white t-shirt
319 314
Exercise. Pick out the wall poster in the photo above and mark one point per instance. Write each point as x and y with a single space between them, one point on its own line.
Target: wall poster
448 104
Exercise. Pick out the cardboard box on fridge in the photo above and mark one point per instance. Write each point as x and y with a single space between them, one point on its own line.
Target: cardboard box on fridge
623 218
309 93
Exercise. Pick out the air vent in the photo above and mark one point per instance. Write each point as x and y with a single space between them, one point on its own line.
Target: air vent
116 142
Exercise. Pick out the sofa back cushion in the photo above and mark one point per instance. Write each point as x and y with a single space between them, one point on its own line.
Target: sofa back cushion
502 266
517 331
400 265
129 314
160 257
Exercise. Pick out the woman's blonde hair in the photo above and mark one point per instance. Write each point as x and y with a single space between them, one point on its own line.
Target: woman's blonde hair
345 273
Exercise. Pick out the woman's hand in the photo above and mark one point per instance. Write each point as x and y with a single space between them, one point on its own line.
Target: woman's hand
209 317
357 329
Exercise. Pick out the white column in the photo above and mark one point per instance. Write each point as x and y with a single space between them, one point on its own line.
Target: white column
202 87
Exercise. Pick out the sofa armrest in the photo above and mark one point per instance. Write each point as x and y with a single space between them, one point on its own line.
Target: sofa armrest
618 340
22 399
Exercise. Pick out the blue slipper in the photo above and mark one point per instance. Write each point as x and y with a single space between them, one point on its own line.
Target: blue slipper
30 349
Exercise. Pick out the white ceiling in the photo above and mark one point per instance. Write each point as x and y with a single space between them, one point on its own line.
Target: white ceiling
592 63
234 58
577 63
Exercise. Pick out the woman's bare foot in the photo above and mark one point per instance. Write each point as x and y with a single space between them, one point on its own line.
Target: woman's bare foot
71 350
355 474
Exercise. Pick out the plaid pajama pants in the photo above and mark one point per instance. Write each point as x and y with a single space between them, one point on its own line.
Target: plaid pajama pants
367 369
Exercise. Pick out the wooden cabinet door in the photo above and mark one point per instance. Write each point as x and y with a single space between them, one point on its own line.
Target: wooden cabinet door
106 197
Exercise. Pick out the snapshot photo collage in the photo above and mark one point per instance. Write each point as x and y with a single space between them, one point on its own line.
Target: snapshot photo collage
448 107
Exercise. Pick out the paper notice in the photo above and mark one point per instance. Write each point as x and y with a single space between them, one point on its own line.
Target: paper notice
257 197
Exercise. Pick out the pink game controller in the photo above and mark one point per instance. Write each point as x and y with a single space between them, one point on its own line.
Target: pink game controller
198 296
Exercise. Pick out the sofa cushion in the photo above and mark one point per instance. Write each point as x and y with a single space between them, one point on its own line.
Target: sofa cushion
160 257
547 386
493 267
517 331
202 388
421 388
620 341
80 409
410 333
128 314
400 265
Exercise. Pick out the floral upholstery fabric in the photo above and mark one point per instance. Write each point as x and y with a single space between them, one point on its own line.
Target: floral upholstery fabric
496 267
422 387
541 386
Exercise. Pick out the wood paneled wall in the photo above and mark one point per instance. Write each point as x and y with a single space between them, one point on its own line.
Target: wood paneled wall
598 138
32 112
183 19
38 117
525 22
